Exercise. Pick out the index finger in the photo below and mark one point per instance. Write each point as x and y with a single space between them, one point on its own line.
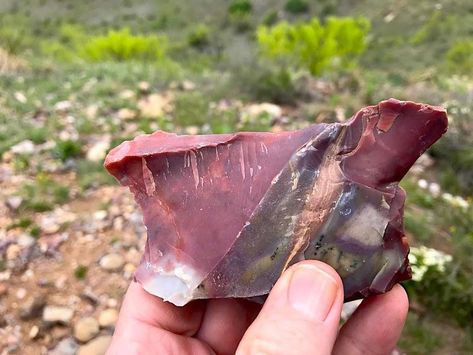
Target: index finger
376 325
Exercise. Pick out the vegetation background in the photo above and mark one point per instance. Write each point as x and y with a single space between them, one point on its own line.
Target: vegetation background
79 77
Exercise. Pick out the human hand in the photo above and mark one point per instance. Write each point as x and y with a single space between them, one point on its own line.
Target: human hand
301 316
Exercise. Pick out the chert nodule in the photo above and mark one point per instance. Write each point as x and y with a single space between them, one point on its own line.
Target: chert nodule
227 214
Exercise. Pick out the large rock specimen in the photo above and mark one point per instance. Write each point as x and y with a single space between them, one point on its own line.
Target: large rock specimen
227 214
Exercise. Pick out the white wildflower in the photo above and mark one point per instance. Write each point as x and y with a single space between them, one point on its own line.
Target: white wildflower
434 189
423 184
423 258
456 201
460 202
447 197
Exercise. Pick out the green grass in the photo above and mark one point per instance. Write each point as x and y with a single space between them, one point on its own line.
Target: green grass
420 337
43 194
80 272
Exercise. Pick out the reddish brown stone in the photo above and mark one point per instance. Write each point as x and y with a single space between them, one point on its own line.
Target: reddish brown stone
227 214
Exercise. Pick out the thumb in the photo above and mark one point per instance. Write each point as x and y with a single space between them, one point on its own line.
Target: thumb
301 315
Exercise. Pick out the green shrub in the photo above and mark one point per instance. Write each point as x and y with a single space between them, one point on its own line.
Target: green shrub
438 27
314 46
271 18
13 40
67 149
80 272
15 34
296 6
270 84
459 57
22 223
43 194
71 34
240 15
38 135
70 41
35 231
240 7
199 36
122 45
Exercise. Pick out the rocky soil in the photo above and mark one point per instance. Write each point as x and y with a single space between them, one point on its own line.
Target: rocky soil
60 292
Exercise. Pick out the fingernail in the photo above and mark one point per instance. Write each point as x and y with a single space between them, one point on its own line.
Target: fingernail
312 291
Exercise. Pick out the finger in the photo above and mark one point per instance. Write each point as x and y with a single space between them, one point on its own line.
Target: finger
376 325
144 307
134 337
301 314
225 321
149 325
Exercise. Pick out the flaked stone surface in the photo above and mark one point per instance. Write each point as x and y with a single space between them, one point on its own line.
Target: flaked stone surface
227 214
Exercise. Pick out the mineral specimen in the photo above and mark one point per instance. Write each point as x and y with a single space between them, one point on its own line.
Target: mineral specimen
227 214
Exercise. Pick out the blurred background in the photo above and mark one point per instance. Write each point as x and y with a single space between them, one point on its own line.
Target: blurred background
79 77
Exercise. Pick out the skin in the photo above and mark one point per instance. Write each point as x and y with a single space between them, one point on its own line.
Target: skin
300 316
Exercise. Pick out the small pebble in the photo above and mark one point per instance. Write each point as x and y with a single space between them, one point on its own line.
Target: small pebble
34 332
20 293
112 302
24 147
33 307
13 252
112 262
128 270
144 86
86 329
66 346
98 346
108 318
3 289
126 114
57 314
14 202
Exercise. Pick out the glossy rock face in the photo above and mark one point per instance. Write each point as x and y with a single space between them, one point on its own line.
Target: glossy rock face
227 214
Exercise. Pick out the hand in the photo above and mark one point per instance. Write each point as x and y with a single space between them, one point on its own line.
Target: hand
301 316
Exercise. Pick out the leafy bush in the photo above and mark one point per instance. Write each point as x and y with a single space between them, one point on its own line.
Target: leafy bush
13 40
122 45
15 34
67 149
80 272
316 47
270 84
239 14
240 7
199 36
296 6
460 57
271 18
